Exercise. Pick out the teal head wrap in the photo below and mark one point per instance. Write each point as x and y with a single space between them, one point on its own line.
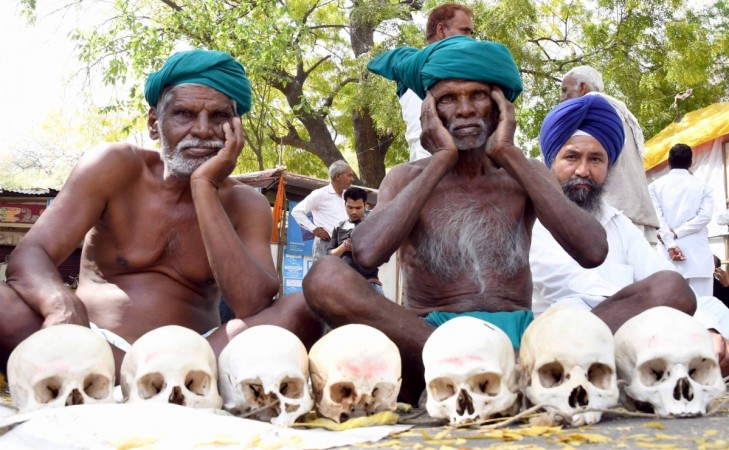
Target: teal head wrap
457 57
215 69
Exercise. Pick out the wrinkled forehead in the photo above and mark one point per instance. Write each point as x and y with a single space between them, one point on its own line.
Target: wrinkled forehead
194 90
454 84
583 144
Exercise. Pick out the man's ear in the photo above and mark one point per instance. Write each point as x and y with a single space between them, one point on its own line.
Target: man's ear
153 124
440 31
584 88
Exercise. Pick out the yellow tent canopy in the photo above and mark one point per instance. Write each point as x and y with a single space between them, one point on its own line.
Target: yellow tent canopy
695 128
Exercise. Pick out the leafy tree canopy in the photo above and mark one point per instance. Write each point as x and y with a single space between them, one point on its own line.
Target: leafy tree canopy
314 97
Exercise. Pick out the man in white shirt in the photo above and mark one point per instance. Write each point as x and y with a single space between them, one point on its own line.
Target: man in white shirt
326 206
633 277
684 205
449 19
627 188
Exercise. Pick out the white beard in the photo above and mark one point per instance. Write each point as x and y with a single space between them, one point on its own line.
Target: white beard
180 165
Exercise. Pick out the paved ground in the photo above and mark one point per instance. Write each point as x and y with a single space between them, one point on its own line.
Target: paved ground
616 430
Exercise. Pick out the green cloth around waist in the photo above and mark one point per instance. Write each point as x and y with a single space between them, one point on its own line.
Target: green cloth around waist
513 323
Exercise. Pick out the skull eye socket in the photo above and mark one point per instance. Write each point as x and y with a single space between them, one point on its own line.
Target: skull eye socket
150 385
702 370
653 372
383 390
485 383
343 392
441 388
600 375
96 386
552 375
253 391
48 390
292 388
197 382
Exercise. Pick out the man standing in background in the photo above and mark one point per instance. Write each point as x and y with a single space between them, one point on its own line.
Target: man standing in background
326 207
684 205
447 20
626 188
341 242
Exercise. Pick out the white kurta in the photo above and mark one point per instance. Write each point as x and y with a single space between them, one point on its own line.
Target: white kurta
685 205
410 105
560 280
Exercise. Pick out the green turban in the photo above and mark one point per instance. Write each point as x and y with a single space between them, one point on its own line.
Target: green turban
215 69
457 57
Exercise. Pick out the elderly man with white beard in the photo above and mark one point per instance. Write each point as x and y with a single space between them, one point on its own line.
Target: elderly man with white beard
164 233
580 141
461 219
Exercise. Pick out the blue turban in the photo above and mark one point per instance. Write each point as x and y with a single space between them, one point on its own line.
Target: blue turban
215 69
457 57
589 113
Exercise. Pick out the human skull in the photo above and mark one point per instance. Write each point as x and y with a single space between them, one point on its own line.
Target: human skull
667 360
265 371
568 364
355 371
60 366
469 371
171 364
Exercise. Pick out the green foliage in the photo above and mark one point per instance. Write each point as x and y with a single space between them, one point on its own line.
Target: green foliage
307 58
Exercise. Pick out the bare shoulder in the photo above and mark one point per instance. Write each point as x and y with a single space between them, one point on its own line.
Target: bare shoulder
400 176
116 160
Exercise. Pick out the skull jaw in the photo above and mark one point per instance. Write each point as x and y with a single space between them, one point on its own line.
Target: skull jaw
71 397
662 403
467 407
362 406
576 410
291 409
345 401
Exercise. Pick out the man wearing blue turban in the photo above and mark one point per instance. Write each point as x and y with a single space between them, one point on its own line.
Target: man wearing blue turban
592 115
581 139
167 232
460 219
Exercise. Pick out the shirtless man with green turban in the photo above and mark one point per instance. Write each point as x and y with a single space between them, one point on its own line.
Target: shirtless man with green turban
165 232
461 219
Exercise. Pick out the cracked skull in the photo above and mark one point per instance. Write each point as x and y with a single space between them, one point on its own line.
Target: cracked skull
355 371
568 363
171 364
60 366
667 362
264 375
469 371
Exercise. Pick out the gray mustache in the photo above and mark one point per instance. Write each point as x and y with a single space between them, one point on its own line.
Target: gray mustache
208 143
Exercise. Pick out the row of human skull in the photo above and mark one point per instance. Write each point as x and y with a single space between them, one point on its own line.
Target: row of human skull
263 373
571 364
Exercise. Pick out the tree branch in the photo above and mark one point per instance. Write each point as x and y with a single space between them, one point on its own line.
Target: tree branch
330 99
172 5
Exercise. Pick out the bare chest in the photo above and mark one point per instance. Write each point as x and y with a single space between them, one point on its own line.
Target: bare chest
149 237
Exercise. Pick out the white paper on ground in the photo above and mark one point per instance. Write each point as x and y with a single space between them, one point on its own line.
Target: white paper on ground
165 426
